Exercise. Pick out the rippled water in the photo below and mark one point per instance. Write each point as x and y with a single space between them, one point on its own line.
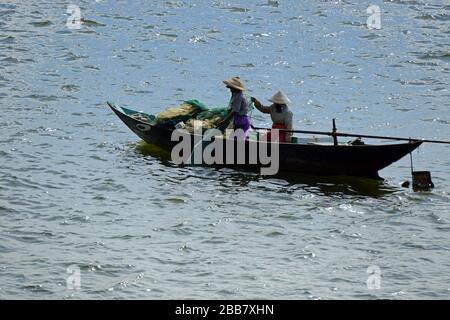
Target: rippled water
76 187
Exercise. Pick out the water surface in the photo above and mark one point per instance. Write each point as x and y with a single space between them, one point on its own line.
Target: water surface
77 188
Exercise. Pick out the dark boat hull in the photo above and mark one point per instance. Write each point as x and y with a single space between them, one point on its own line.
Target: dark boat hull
329 160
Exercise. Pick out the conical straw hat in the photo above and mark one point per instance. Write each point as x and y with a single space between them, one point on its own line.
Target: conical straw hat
280 98
235 83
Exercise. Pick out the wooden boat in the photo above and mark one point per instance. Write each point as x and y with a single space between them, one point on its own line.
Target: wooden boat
308 158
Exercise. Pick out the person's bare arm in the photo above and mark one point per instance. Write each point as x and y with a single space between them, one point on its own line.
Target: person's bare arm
260 107
224 122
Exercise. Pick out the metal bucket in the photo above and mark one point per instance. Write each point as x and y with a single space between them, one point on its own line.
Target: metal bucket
422 181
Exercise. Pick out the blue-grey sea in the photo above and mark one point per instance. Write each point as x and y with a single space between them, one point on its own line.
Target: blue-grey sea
81 196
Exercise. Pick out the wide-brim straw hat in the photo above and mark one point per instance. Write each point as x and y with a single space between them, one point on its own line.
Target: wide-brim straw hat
280 98
235 83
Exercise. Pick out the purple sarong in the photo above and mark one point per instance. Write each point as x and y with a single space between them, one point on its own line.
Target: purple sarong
242 123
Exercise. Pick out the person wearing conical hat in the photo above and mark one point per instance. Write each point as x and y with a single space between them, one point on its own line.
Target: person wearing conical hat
280 114
238 106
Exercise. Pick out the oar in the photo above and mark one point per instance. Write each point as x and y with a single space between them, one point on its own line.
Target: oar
336 134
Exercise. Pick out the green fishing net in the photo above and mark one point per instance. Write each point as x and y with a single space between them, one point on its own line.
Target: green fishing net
194 112
173 115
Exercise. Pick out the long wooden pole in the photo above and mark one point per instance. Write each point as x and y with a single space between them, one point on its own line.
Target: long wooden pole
339 134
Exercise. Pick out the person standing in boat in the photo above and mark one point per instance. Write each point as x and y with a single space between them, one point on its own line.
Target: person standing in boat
238 107
280 114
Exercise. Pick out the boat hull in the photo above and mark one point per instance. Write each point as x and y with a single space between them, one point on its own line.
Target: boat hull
315 159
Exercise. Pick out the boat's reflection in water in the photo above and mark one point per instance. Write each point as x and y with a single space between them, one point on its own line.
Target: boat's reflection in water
319 185
341 185
152 150
323 185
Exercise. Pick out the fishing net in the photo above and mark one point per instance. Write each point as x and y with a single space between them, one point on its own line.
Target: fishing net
173 115
190 111
207 119
193 110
